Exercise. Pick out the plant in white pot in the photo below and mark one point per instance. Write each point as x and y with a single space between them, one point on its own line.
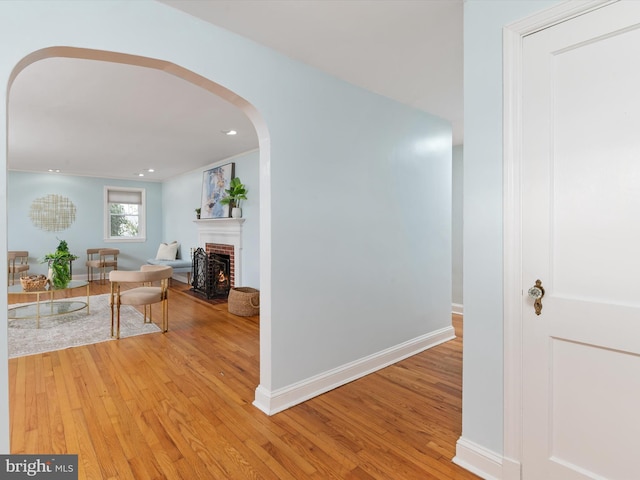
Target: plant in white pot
235 193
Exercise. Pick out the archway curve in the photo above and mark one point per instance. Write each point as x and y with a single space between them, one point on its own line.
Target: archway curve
264 144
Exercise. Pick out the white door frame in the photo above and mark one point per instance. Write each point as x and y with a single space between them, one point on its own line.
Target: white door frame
513 35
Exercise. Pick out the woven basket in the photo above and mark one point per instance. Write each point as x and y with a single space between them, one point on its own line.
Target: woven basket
244 301
33 283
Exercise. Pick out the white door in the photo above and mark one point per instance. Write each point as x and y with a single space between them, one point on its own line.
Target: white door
581 238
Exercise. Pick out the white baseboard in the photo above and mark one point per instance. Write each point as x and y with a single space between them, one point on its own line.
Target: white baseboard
483 462
511 470
283 398
457 308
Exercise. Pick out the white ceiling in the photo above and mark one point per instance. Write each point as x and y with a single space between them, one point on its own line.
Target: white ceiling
103 119
123 119
408 50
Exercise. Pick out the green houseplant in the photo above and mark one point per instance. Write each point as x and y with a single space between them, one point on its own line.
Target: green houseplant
235 193
198 210
59 265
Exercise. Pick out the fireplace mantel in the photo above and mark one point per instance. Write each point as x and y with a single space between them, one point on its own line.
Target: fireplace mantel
225 231
220 223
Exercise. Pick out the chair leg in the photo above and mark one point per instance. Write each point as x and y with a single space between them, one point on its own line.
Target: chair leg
118 331
165 316
148 317
117 318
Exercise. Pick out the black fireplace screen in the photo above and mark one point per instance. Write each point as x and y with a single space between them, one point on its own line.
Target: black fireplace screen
211 274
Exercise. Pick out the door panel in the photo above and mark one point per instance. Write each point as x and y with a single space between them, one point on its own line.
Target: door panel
599 396
581 237
596 169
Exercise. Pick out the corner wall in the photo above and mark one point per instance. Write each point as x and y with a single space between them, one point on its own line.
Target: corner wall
457 228
481 445
182 194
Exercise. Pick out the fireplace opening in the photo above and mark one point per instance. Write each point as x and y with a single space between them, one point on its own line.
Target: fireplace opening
211 274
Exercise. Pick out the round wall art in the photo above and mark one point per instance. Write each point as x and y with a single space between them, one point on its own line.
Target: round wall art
52 213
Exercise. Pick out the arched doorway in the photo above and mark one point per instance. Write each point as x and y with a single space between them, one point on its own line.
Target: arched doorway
264 155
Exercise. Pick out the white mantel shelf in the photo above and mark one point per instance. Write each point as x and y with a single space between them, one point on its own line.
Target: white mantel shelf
226 231
219 222
220 219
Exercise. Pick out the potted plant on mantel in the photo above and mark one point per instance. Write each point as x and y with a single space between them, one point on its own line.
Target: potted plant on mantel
198 210
59 265
235 193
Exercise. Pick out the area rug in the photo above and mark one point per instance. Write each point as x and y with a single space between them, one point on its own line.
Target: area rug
74 329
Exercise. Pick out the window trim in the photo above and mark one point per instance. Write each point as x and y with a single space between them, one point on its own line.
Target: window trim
142 217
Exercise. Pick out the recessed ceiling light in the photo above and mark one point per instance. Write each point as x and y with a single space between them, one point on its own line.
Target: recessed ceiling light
54 170
150 170
141 174
229 132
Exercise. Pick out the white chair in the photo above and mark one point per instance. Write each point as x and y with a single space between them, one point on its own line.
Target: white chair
18 263
101 258
145 295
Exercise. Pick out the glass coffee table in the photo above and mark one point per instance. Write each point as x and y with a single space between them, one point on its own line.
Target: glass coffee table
45 305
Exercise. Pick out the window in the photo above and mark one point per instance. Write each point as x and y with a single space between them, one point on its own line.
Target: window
124 214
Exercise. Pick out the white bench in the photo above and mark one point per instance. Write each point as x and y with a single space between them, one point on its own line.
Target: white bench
179 265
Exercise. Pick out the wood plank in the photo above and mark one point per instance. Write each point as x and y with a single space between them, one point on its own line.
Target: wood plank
179 405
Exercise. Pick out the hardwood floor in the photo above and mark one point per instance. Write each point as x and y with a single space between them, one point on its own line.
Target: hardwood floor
178 406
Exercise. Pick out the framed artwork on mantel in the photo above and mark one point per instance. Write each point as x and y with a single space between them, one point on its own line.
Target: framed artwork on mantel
214 183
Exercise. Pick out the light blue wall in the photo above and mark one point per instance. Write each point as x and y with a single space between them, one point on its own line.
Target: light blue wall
483 315
170 215
360 210
181 195
361 227
457 224
87 194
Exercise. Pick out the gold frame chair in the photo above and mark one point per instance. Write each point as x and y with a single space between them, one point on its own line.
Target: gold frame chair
18 263
146 295
106 258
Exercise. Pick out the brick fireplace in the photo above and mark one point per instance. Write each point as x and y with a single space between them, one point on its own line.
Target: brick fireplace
222 249
223 236
211 273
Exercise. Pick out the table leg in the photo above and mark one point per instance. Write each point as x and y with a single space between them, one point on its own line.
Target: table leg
87 298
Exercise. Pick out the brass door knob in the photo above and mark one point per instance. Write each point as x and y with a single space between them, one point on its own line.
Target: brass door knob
537 292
